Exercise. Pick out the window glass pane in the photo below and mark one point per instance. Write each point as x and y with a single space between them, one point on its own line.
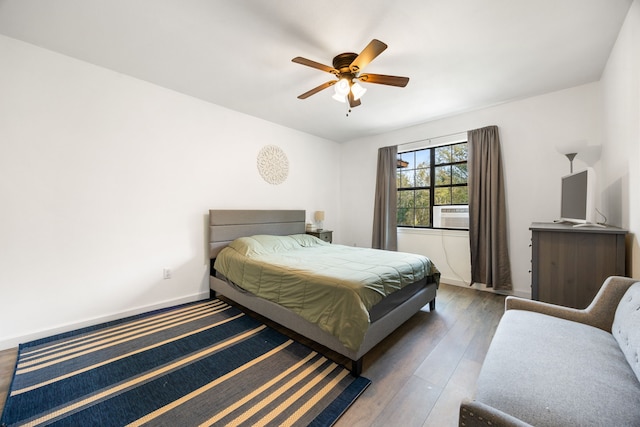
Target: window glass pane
423 158
405 160
459 173
405 199
443 175
460 195
422 218
442 196
405 217
423 177
459 152
422 198
405 179
443 154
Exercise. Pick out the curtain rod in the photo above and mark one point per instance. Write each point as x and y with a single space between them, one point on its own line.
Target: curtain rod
436 137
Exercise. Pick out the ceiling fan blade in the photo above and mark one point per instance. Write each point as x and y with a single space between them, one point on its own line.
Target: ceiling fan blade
368 54
314 64
384 80
352 101
317 89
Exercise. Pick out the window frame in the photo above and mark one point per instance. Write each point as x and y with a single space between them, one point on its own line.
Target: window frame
432 183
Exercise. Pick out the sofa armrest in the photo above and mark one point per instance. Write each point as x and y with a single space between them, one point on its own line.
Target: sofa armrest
599 313
477 414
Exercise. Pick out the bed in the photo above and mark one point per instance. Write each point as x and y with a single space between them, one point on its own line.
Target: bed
235 233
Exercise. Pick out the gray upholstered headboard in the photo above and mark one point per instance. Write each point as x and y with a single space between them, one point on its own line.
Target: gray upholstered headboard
227 225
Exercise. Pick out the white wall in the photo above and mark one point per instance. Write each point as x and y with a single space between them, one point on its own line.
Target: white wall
534 133
621 124
105 180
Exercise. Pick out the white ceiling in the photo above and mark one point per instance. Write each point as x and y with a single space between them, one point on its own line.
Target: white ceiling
459 54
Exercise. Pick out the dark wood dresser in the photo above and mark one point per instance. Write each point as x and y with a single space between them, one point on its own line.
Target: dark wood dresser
570 263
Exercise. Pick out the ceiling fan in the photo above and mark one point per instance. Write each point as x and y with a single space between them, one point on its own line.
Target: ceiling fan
347 68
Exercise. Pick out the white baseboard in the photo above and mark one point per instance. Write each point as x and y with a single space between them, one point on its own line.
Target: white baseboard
17 340
482 287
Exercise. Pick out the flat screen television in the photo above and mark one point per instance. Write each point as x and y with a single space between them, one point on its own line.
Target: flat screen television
577 199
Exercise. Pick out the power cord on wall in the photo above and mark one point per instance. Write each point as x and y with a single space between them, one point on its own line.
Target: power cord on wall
602 215
446 257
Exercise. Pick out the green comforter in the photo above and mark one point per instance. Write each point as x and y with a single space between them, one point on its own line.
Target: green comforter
333 286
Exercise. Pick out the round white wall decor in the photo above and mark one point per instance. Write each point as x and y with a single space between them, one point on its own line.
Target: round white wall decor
273 164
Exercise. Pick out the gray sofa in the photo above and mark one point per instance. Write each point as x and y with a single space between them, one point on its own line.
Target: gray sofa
549 365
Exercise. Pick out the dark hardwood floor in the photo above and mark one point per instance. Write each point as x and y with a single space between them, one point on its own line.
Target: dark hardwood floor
419 373
7 364
424 369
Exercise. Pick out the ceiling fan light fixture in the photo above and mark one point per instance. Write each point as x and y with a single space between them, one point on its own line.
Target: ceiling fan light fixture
357 91
342 87
339 98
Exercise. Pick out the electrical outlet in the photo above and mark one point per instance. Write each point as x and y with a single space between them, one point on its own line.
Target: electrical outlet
166 273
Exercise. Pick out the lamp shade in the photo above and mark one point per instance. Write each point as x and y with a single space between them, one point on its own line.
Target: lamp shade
319 216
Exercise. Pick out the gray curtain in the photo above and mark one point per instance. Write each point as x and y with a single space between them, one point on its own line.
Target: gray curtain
385 234
487 210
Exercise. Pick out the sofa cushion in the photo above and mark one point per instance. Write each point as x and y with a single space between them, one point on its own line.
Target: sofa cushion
552 372
626 327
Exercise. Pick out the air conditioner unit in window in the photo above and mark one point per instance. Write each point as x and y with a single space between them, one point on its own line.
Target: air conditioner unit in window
451 216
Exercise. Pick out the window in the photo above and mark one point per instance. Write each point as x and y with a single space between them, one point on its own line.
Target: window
429 177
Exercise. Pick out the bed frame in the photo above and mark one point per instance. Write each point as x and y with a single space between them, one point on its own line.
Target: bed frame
227 225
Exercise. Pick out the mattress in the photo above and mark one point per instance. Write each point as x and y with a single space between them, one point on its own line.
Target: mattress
333 286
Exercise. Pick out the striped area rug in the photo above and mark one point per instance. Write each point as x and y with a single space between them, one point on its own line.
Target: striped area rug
205 363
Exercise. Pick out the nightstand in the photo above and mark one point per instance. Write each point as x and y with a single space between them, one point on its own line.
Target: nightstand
326 235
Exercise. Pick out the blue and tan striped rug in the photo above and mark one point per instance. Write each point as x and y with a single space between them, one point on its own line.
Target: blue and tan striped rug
198 364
